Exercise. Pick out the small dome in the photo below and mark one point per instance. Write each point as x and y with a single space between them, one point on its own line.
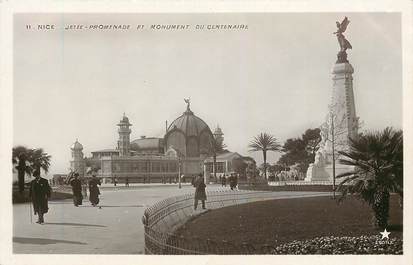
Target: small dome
124 120
77 146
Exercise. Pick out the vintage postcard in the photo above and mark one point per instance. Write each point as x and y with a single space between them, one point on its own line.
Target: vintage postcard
215 133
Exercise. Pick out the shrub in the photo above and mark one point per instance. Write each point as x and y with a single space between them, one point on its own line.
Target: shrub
343 245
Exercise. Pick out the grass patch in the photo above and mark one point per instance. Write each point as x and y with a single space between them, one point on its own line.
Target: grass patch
278 222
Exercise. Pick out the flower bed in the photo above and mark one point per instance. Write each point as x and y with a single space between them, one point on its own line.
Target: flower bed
343 245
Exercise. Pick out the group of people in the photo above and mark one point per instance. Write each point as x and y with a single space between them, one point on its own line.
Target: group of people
94 191
40 192
232 179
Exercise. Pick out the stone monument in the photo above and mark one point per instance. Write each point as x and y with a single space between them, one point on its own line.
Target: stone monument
341 122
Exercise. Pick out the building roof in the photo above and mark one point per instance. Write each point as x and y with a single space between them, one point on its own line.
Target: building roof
189 124
106 151
224 157
147 143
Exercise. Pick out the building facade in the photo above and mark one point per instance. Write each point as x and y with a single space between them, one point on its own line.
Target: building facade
182 151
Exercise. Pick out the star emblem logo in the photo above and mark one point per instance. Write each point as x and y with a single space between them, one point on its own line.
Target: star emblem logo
385 234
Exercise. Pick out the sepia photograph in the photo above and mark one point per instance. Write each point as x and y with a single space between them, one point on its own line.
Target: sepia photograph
248 133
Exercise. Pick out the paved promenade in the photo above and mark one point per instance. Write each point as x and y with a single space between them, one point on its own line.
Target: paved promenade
116 228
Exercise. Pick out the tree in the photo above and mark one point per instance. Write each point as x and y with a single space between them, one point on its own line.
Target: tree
26 161
377 158
294 152
19 158
239 166
264 142
93 165
312 138
40 160
300 151
251 169
335 132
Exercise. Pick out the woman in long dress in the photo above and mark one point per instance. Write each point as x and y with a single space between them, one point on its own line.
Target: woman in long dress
94 190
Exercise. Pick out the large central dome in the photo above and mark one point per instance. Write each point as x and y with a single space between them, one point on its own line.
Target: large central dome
190 135
189 124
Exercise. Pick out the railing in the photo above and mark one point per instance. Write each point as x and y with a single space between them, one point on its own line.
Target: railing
163 219
299 183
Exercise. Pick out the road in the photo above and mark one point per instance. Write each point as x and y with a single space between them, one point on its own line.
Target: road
116 228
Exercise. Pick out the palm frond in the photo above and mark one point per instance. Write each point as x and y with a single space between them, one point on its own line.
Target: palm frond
377 158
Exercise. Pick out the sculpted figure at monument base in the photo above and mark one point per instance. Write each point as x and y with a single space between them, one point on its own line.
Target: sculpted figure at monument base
316 171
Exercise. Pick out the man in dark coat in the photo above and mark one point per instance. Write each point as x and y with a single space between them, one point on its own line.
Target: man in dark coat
233 181
127 182
200 193
94 190
77 190
39 192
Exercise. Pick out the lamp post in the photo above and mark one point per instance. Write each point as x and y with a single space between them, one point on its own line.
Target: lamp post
334 159
179 172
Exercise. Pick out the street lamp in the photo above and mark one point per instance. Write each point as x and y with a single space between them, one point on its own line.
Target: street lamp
179 171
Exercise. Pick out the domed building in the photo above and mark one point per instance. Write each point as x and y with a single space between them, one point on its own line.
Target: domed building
182 151
192 138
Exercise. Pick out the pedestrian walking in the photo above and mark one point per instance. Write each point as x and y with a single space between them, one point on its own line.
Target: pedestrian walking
233 181
126 182
94 191
39 193
200 193
224 181
77 190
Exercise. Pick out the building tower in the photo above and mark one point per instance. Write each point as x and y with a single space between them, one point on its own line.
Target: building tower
218 135
124 136
77 164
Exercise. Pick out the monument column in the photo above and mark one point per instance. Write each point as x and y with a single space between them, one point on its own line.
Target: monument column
341 122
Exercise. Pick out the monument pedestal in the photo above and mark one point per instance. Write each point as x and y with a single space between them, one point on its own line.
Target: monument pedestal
341 124
316 172
340 169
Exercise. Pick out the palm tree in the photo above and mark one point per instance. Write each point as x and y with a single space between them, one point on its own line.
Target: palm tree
28 160
378 170
40 160
264 142
20 155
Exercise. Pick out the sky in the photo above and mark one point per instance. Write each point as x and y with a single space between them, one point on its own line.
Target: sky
273 77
